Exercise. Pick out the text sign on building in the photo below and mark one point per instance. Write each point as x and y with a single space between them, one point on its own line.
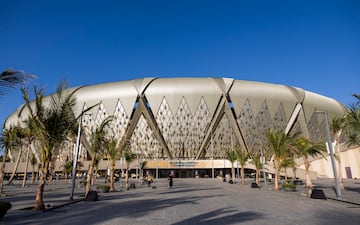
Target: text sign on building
183 164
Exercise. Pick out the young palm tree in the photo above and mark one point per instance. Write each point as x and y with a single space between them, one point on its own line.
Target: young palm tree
49 124
27 136
305 149
142 166
287 162
112 152
231 156
20 136
67 169
257 163
7 142
129 157
352 120
280 144
27 158
242 156
98 143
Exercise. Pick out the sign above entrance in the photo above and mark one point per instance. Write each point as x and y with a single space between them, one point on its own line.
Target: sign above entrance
183 164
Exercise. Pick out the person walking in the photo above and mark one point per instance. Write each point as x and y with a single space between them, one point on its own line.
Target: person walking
170 179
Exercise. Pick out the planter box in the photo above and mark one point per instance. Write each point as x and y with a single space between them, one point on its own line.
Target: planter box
4 207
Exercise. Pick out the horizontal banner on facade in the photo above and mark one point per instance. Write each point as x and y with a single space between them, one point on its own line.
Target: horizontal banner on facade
187 164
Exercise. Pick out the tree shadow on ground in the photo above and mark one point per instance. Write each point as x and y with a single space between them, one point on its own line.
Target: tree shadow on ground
221 216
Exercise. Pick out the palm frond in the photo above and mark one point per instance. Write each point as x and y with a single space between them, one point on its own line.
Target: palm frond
11 79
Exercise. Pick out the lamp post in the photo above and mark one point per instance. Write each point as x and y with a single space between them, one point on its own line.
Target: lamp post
328 138
263 165
212 156
75 160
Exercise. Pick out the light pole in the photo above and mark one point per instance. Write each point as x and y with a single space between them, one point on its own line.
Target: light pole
75 160
263 164
212 156
328 138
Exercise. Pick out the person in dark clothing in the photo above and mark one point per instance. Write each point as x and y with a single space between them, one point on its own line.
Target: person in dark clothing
170 179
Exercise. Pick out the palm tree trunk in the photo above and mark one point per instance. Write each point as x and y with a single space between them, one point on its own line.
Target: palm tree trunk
89 176
242 175
232 172
277 169
2 170
15 168
127 177
257 177
112 171
39 203
26 167
33 174
307 170
94 177
51 172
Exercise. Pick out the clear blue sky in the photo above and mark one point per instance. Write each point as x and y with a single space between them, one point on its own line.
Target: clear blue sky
314 45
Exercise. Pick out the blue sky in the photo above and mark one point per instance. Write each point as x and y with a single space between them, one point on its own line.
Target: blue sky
314 45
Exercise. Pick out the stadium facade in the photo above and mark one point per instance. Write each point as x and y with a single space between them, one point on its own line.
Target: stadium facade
186 125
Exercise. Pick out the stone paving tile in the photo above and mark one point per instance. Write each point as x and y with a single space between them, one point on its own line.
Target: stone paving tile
190 201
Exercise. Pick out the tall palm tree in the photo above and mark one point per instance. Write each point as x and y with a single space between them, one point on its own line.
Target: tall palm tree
98 143
242 156
305 149
337 125
231 156
280 144
50 124
11 79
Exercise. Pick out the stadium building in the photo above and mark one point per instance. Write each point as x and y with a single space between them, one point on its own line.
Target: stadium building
186 125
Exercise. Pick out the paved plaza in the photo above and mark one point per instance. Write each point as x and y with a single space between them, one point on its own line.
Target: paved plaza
189 201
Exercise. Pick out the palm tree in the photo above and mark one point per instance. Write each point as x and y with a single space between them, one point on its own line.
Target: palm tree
305 149
231 156
33 162
98 143
19 143
142 166
280 144
352 120
129 157
67 168
49 124
7 142
257 163
287 162
241 156
11 79
337 125
113 153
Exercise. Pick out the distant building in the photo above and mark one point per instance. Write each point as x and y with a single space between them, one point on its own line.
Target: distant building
186 125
